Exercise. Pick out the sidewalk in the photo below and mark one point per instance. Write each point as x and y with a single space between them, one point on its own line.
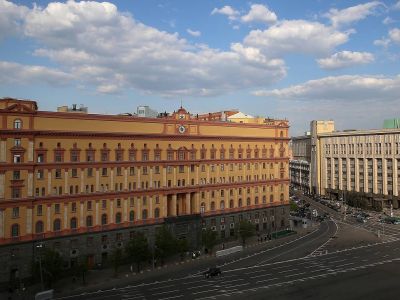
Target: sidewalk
106 278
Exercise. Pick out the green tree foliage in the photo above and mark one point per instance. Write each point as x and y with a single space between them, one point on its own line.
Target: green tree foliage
182 247
165 244
116 258
52 266
356 199
246 230
209 239
138 249
293 206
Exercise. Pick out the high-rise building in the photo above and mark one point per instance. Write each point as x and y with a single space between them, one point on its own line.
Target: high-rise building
83 184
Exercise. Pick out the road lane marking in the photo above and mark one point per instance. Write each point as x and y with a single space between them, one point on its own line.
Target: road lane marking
201 292
166 292
291 275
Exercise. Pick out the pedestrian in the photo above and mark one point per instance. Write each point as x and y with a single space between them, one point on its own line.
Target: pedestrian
131 268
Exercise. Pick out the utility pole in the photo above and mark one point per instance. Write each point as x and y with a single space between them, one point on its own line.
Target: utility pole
39 247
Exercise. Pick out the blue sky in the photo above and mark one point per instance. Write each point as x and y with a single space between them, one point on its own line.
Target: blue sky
300 60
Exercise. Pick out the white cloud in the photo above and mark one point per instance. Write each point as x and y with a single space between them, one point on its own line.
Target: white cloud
195 33
384 42
345 59
259 13
227 10
397 5
296 36
99 46
346 88
351 14
388 20
27 74
11 17
394 35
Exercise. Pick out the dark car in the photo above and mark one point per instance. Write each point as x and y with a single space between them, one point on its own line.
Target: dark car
211 272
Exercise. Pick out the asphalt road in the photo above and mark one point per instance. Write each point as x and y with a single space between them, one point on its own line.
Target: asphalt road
278 278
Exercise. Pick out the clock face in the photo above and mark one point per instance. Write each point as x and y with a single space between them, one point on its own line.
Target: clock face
181 129
181 116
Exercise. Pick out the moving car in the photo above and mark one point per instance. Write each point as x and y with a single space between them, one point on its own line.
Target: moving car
211 272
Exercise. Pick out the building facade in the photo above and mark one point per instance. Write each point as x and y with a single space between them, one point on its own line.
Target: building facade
83 184
299 164
366 162
145 111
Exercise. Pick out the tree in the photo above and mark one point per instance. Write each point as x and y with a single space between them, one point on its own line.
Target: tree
116 258
293 206
138 249
209 239
246 230
52 266
166 244
182 247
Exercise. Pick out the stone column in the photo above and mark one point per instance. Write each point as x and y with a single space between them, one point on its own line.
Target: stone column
173 205
164 171
30 184
356 175
125 215
164 203
48 215
340 178
348 174
150 210
197 175
2 184
151 177
97 180
97 217
112 179
28 220
49 190
2 223
83 180
125 178
384 176
81 210
138 210
111 211
139 184
395 174
187 204
208 174
66 215
366 176
66 189
188 176
30 151
3 150
375 172
174 181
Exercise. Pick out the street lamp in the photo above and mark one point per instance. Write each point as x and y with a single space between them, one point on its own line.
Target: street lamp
39 247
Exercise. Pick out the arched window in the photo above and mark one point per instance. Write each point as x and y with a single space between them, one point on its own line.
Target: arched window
73 223
202 207
118 218
231 203
89 221
222 205
256 200
157 213
281 197
39 227
17 124
57 225
240 202
15 230
144 214
131 216
248 202
212 205
264 199
271 198
104 219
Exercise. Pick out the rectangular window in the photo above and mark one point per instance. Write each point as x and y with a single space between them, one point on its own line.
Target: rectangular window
15 212
16 175
73 207
17 158
119 171
132 171
39 210
104 204
89 205
40 174
56 208
157 170
104 172
181 169
90 172
17 142
16 192
74 172
58 173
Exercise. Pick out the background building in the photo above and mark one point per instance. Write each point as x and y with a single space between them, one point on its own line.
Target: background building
83 184
145 111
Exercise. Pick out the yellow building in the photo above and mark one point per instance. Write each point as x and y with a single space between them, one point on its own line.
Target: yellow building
84 183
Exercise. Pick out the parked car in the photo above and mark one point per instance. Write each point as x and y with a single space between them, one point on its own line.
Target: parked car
211 272
195 254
